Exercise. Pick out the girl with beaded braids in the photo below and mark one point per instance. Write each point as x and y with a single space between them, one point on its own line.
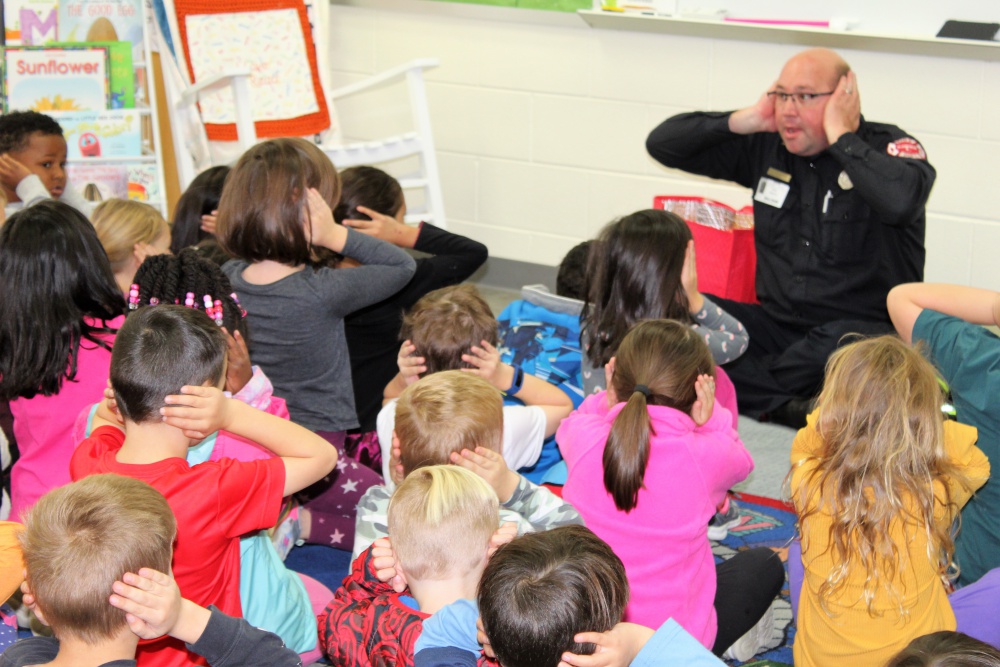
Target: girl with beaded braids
273 597
666 452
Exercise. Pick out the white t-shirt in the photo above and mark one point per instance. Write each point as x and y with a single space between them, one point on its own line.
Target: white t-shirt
523 435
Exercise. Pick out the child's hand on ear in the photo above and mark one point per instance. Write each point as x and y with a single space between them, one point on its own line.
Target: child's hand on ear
111 403
483 639
704 389
410 366
387 569
239 369
485 362
615 648
198 411
12 171
151 601
503 535
209 221
321 228
491 467
689 280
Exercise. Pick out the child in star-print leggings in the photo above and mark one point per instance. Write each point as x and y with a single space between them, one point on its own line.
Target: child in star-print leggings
329 506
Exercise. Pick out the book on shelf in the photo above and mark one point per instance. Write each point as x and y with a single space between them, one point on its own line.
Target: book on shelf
29 22
121 75
115 133
102 21
100 182
68 78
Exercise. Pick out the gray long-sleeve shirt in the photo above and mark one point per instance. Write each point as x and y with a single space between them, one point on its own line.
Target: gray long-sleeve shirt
297 327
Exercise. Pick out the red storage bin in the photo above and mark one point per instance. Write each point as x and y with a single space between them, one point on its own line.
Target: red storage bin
725 252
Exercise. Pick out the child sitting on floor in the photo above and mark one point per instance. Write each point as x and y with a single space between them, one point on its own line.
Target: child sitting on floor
878 478
554 598
175 355
33 162
441 521
458 417
453 328
95 552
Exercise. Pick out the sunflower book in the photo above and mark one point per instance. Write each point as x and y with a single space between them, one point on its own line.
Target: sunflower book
68 78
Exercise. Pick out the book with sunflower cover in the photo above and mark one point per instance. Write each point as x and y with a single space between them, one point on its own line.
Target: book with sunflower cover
67 78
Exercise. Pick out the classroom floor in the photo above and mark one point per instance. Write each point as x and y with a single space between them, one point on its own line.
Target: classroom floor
769 444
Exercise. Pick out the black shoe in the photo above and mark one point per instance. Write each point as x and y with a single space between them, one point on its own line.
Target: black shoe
793 413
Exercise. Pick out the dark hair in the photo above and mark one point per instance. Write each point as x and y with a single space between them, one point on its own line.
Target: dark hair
53 275
17 127
201 198
160 349
946 649
634 273
169 279
667 357
261 209
370 187
571 281
445 323
541 589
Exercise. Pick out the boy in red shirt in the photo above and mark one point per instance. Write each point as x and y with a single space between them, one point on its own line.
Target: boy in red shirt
167 367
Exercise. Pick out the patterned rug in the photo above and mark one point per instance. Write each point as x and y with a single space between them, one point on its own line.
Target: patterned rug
765 522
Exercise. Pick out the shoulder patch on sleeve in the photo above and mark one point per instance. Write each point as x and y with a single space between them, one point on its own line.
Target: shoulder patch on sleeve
906 147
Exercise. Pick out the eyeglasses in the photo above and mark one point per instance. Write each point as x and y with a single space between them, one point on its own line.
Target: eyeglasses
802 99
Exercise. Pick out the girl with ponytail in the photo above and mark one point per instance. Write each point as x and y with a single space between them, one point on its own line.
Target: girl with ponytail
649 461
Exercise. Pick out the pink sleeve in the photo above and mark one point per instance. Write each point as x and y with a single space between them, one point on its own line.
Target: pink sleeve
577 429
723 458
725 394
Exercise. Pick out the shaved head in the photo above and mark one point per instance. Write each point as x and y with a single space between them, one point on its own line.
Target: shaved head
814 71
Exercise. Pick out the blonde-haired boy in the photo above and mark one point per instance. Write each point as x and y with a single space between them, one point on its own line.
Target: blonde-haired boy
95 552
457 417
441 521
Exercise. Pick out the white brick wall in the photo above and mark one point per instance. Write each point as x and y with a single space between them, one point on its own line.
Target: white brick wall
541 127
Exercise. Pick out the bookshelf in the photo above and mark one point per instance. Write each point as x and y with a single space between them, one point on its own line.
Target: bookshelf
113 149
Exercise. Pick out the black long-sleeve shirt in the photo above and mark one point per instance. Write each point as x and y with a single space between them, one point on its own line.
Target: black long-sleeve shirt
373 332
850 228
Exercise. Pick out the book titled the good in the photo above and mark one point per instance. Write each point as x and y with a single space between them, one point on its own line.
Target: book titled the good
102 21
57 79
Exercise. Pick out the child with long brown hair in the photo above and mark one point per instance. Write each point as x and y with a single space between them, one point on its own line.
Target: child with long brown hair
665 454
878 479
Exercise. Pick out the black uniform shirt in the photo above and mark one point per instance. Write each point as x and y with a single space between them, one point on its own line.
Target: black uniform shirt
850 228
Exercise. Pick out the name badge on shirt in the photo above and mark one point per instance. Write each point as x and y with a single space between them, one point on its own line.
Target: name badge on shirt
771 192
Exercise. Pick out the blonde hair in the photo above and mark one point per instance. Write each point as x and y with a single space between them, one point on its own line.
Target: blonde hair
447 412
121 223
666 357
441 519
879 416
81 538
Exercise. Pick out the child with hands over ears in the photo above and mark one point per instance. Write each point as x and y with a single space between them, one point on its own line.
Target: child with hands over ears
454 329
665 455
166 371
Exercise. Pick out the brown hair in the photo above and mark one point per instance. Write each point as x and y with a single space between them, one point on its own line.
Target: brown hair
879 416
666 357
369 187
441 519
262 206
121 223
81 538
541 589
633 274
444 413
946 649
445 323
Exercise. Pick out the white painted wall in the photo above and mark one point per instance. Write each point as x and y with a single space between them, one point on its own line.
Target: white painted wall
541 125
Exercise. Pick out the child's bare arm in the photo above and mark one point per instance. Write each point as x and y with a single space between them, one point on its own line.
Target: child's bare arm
972 304
203 410
485 361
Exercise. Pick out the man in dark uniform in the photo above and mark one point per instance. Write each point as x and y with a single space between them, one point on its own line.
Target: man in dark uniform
839 215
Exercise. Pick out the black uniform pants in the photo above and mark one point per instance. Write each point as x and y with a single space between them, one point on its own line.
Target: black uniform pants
746 585
784 362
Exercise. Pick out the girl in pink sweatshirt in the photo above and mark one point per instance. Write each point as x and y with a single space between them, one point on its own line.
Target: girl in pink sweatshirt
649 461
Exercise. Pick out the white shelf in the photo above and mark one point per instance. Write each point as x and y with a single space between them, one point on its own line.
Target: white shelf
113 160
802 36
